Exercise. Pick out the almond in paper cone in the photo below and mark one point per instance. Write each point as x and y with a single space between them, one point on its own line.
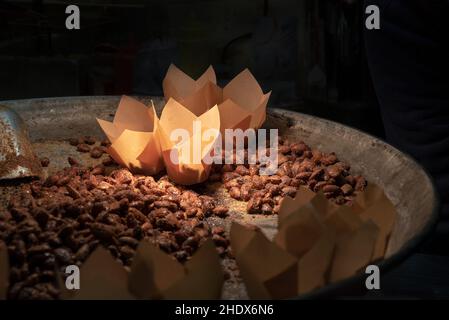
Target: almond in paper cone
134 143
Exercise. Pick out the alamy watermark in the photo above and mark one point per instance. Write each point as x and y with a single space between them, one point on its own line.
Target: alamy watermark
372 282
73 20
236 147
372 21
72 282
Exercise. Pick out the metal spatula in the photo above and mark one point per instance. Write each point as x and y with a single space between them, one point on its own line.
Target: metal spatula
17 159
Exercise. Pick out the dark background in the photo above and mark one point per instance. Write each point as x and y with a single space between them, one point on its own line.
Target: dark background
310 53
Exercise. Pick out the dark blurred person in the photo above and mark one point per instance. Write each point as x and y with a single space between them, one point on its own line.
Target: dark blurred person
409 63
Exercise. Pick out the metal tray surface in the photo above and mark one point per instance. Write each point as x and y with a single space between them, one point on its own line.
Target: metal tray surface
52 121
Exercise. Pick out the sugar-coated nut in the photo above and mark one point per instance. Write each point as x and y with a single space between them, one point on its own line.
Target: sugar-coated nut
45 162
64 218
82 147
298 165
346 189
89 140
96 152
74 141
72 161
220 211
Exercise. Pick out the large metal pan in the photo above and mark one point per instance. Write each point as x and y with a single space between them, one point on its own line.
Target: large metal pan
409 187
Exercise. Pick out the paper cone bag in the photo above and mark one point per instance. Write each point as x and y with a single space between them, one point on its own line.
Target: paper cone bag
203 278
187 141
317 243
354 250
196 95
244 97
153 271
102 278
310 223
156 275
300 233
304 197
268 271
314 265
374 204
4 271
242 103
304 234
134 143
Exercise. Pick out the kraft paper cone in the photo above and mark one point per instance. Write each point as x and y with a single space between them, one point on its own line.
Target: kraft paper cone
203 99
185 160
304 234
313 266
153 272
179 86
242 103
317 242
4 271
156 275
203 276
290 205
247 94
355 232
305 198
134 142
233 117
102 277
374 204
353 251
343 220
265 268
300 233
